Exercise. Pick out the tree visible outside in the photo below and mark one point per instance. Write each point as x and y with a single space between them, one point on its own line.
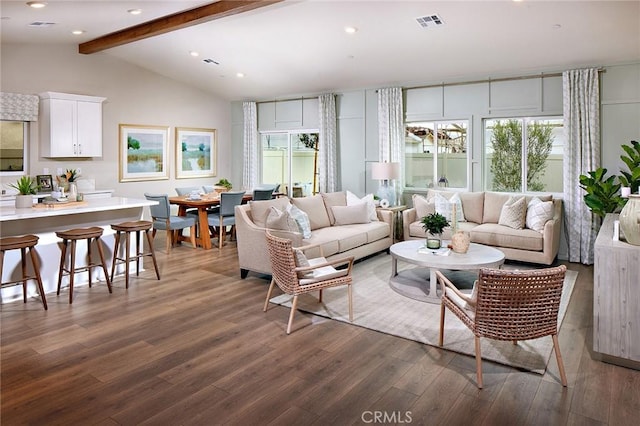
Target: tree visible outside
506 163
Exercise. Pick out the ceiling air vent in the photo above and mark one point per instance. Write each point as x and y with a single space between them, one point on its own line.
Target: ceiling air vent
430 21
40 24
210 61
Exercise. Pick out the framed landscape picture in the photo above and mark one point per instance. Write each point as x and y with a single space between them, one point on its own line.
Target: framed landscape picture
143 152
195 152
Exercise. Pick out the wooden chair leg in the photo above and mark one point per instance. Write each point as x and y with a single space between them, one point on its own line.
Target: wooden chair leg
36 269
23 264
442 312
320 296
478 362
350 290
556 349
104 263
116 250
192 236
266 302
153 253
294 305
169 240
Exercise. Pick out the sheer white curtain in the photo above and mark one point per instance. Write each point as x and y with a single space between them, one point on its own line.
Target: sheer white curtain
250 166
327 149
391 131
581 104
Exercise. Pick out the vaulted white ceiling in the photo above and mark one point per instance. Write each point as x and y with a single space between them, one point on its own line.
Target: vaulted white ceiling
300 47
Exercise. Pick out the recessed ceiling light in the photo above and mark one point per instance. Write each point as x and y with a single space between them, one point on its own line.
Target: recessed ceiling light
240 75
37 4
350 30
77 32
194 53
135 11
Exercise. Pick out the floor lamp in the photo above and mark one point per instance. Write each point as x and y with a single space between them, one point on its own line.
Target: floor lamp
385 172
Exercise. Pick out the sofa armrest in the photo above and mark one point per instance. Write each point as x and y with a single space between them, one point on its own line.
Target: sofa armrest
408 217
252 244
551 232
389 218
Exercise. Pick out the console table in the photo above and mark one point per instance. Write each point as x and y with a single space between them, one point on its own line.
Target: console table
616 298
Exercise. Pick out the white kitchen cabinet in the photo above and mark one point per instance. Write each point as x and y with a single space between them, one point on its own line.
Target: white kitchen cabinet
70 125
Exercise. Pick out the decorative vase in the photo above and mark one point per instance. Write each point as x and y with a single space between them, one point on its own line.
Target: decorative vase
629 217
73 191
460 242
24 201
433 243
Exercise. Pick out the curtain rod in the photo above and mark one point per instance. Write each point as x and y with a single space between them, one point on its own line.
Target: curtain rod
461 83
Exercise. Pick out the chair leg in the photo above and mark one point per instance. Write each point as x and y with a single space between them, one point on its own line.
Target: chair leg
23 264
192 236
294 305
350 291
153 253
63 258
478 362
169 240
104 263
36 268
320 296
116 250
442 312
556 349
266 302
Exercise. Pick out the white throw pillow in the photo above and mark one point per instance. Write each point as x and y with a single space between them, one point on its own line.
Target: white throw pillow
423 206
302 220
347 215
513 213
538 213
444 206
353 199
282 220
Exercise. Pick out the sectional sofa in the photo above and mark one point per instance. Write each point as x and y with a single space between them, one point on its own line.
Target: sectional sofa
483 214
339 228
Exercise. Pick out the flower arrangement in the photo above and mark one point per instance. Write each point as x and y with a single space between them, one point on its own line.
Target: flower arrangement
71 175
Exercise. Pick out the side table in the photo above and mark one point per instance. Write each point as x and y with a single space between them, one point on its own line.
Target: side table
397 220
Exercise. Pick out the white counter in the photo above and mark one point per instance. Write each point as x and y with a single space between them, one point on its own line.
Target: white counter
44 222
8 200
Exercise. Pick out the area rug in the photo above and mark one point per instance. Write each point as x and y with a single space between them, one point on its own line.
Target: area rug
378 307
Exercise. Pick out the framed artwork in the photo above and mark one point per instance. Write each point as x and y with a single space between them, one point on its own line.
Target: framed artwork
195 152
45 183
143 152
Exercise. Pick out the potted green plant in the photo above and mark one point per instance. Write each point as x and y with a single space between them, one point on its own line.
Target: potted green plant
434 224
26 187
224 183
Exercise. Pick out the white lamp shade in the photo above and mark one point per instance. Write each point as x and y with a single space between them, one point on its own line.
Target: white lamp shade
385 171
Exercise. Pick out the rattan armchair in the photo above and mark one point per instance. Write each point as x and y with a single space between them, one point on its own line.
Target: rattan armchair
508 305
296 280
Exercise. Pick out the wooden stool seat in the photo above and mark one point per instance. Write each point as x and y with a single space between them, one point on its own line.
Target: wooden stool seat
23 243
129 227
72 235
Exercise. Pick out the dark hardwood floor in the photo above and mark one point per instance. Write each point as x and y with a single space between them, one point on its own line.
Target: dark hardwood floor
196 349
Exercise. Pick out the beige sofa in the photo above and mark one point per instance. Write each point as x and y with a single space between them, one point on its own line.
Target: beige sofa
336 236
482 213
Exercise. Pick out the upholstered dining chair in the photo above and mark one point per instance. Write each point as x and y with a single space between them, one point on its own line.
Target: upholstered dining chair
296 275
186 190
262 194
508 305
163 220
226 215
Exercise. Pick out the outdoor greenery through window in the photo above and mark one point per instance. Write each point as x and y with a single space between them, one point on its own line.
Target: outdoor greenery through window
523 154
436 154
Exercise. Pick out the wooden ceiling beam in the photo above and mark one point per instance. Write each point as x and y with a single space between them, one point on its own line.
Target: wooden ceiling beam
176 21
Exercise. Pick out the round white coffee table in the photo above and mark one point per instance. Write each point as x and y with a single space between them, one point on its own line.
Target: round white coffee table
420 283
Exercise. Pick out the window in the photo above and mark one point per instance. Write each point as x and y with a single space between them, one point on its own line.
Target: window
537 140
436 154
13 147
290 159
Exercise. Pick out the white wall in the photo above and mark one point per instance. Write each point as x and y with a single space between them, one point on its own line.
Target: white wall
134 96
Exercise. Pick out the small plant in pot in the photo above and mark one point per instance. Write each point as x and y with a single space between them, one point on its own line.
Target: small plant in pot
26 187
434 224
224 183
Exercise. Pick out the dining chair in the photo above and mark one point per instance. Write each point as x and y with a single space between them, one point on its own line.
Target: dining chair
262 194
186 190
207 189
508 305
296 275
226 215
163 219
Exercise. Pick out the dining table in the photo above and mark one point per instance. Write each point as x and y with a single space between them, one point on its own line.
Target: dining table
202 204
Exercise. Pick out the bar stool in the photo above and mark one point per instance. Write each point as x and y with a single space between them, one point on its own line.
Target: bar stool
128 228
22 243
92 233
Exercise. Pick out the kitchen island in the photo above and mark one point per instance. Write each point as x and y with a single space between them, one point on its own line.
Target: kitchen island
44 221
